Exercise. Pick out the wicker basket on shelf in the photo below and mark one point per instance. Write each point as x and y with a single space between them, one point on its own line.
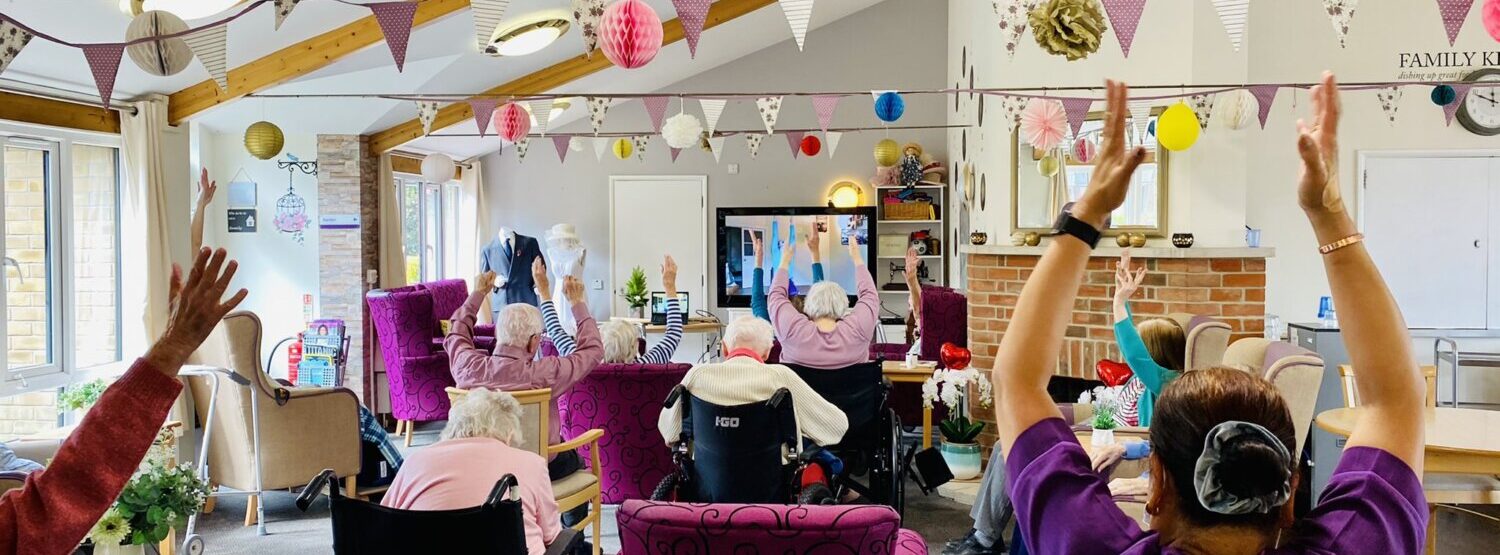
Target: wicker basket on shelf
920 210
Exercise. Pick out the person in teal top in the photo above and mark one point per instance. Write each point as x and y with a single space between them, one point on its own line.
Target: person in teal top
1155 349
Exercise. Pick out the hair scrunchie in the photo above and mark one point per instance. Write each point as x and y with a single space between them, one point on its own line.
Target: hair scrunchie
1209 483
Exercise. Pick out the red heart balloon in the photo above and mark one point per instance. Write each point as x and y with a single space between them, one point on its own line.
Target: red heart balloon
954 357
1113 373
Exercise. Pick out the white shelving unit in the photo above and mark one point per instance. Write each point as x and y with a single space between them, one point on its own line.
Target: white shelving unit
894 302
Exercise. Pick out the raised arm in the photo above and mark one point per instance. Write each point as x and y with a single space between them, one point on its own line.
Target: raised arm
206 190
785 317
1132 348
568 370
757 287
1391 390
913 284
866 313
1028 352
550 322
662 352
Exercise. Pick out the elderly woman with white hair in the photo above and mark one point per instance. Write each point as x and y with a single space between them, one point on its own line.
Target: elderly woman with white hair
477 448
621 339
826 334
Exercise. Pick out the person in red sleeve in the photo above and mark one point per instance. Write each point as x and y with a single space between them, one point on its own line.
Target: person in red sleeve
57 506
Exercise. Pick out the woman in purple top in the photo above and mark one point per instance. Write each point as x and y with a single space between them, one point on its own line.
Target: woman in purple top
1222 475
826 333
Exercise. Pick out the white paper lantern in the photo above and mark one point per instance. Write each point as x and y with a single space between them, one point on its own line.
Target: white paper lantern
682 131
160 57
438 168
1238 109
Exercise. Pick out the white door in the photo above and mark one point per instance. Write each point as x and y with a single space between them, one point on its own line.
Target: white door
1426 220
654 216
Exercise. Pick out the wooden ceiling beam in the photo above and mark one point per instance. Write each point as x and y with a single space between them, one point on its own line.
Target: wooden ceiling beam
58 113
296 60
552 77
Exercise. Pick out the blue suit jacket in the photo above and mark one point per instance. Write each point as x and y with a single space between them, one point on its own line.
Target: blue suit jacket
513 283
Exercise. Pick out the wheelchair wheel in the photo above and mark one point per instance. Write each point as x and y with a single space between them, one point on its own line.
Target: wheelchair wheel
667 489
895 470
816 494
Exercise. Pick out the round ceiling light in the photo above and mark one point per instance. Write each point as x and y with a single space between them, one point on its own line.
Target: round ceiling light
186 9
527 38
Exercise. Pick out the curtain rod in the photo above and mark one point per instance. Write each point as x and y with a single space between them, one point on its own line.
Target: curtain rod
59 94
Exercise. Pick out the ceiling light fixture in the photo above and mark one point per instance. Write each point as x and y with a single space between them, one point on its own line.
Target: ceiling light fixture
186 9
527 38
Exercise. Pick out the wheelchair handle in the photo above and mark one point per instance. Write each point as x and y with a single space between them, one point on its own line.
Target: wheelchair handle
778 398
501 490
673 396
315 488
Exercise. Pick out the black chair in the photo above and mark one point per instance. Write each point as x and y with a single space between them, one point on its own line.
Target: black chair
363 528
733 454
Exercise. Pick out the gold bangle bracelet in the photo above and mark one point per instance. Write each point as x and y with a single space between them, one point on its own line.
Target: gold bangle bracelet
1341 243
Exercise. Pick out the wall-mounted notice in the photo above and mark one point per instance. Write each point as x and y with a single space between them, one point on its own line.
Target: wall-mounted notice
339 221
242 220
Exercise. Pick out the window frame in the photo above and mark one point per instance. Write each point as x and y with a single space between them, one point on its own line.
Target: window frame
435 263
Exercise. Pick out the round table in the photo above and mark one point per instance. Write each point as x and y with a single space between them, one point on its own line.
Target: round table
1458 441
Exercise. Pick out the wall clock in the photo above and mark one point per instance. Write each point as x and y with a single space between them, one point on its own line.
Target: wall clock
1480 113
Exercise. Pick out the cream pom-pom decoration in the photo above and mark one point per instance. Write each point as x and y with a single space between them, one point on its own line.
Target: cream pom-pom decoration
1238 109
682 130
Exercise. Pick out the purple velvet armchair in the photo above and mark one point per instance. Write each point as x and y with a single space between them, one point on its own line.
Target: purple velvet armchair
650 527
945 319
417 370
624 400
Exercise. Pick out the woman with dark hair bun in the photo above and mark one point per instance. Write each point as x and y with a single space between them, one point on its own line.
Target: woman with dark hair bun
1223 470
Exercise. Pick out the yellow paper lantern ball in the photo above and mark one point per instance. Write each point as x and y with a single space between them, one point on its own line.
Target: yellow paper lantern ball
1177 129
623 149
264 140
887 153
1048 166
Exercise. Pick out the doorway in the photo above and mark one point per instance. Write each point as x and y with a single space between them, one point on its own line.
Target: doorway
653 216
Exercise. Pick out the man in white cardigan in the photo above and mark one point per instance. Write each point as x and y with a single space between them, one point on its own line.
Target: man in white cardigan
744 377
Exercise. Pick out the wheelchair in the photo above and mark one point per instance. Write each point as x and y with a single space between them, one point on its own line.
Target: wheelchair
872 447
364 528
723 453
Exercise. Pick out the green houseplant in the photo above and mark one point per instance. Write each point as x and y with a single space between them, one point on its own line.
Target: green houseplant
1106 404
82 396
158 499
636 293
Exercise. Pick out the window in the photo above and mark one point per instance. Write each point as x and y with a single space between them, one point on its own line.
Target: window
429 228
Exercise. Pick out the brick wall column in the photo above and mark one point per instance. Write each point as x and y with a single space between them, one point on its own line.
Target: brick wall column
347 185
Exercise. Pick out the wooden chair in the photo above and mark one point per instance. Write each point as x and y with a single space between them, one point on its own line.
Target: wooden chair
1440 489
583 487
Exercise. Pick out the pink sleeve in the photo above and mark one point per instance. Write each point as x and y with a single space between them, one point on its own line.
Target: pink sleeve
547 514
788 321
459 344
866 311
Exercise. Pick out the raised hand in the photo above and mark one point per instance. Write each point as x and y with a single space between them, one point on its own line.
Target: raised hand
1127 282
913 264
573 290
788 250
814 241
539 277
856 254
669 277
484 283
196 307
1318 144
760 250
206 188
1115 166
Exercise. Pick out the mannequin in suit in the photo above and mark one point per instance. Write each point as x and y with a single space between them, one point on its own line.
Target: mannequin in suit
510 255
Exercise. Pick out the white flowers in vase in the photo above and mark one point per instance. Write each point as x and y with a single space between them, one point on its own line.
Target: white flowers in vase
1106 403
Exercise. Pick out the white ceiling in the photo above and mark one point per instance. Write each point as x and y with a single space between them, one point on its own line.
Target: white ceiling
441 58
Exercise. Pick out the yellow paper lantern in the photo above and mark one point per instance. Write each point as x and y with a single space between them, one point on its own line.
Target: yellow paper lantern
887 153
1048 166
1177 128
264 140
623 149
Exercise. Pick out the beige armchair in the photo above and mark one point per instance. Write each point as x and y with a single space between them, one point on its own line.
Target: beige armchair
1207 339
583 487
257 443
1296 372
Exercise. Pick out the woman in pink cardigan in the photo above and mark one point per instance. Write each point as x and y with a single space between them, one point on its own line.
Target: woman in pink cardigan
826 334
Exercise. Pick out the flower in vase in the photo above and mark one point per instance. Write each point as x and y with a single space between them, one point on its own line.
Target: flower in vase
112 529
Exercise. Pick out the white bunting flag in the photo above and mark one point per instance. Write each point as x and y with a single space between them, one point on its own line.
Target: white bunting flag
210 45
1012 106
487 16
770 108
1203 106
541 111
1140 119
1013 16
1390 101
587 14
833 137
640 146
1235 15
598 107
1341 12
426 113
712 109
12 40
753 140
716 144
601 146
798 15
521 147
284 8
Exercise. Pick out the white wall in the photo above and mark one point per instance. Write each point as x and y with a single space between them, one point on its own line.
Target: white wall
1231 178
890 45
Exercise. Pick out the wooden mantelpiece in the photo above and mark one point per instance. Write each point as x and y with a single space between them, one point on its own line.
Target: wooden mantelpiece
1144 252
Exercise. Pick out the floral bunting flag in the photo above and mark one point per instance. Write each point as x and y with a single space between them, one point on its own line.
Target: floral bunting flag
541 111
1235 15
692 14
1454 13
601 146
794 139
284 8
656 108
562 143
522 146
1124 18
712 109
770 107
12 40
587 14
1077 110
1340 12
1460 95
825 105
1266 96
798 15
210 45
484 109
598 107
426 113
675 151
1390 101
716 144
487 17
395 19
1012 106
104 63
1203 106
753 141
1013 20
1140 119
640 146
832 138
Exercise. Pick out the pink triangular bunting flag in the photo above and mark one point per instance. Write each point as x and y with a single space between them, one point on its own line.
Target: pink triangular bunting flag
794 139
562 143
1125 16
104 62
1454 13
395 19
825 105
1460 94
484 109
675 152
1265 95
1077 110
656 107
692 14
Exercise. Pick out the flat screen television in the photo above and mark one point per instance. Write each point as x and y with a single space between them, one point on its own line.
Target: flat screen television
736 260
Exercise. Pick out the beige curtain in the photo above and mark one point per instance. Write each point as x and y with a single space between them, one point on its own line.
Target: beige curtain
148 257
392 256
473 218
1059 191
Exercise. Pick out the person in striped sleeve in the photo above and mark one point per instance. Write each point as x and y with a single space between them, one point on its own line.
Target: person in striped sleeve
620 338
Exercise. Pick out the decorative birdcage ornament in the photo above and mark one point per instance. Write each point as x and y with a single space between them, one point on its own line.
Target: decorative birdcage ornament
291 209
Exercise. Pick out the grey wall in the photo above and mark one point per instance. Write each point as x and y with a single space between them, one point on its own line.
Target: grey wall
892 45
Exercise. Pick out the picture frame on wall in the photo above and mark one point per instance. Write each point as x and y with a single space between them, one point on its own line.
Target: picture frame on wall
242 194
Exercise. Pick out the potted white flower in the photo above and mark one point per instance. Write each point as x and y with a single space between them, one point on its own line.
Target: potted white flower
1106 404
960 447
154 502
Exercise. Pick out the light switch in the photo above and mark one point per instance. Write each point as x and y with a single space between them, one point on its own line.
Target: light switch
734 169
598 285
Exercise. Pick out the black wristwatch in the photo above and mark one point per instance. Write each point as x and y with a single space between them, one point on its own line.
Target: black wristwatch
1068 225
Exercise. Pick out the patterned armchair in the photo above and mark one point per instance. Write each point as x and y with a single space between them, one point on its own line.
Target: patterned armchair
417 370
624 400
651 527
447 296
945 319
